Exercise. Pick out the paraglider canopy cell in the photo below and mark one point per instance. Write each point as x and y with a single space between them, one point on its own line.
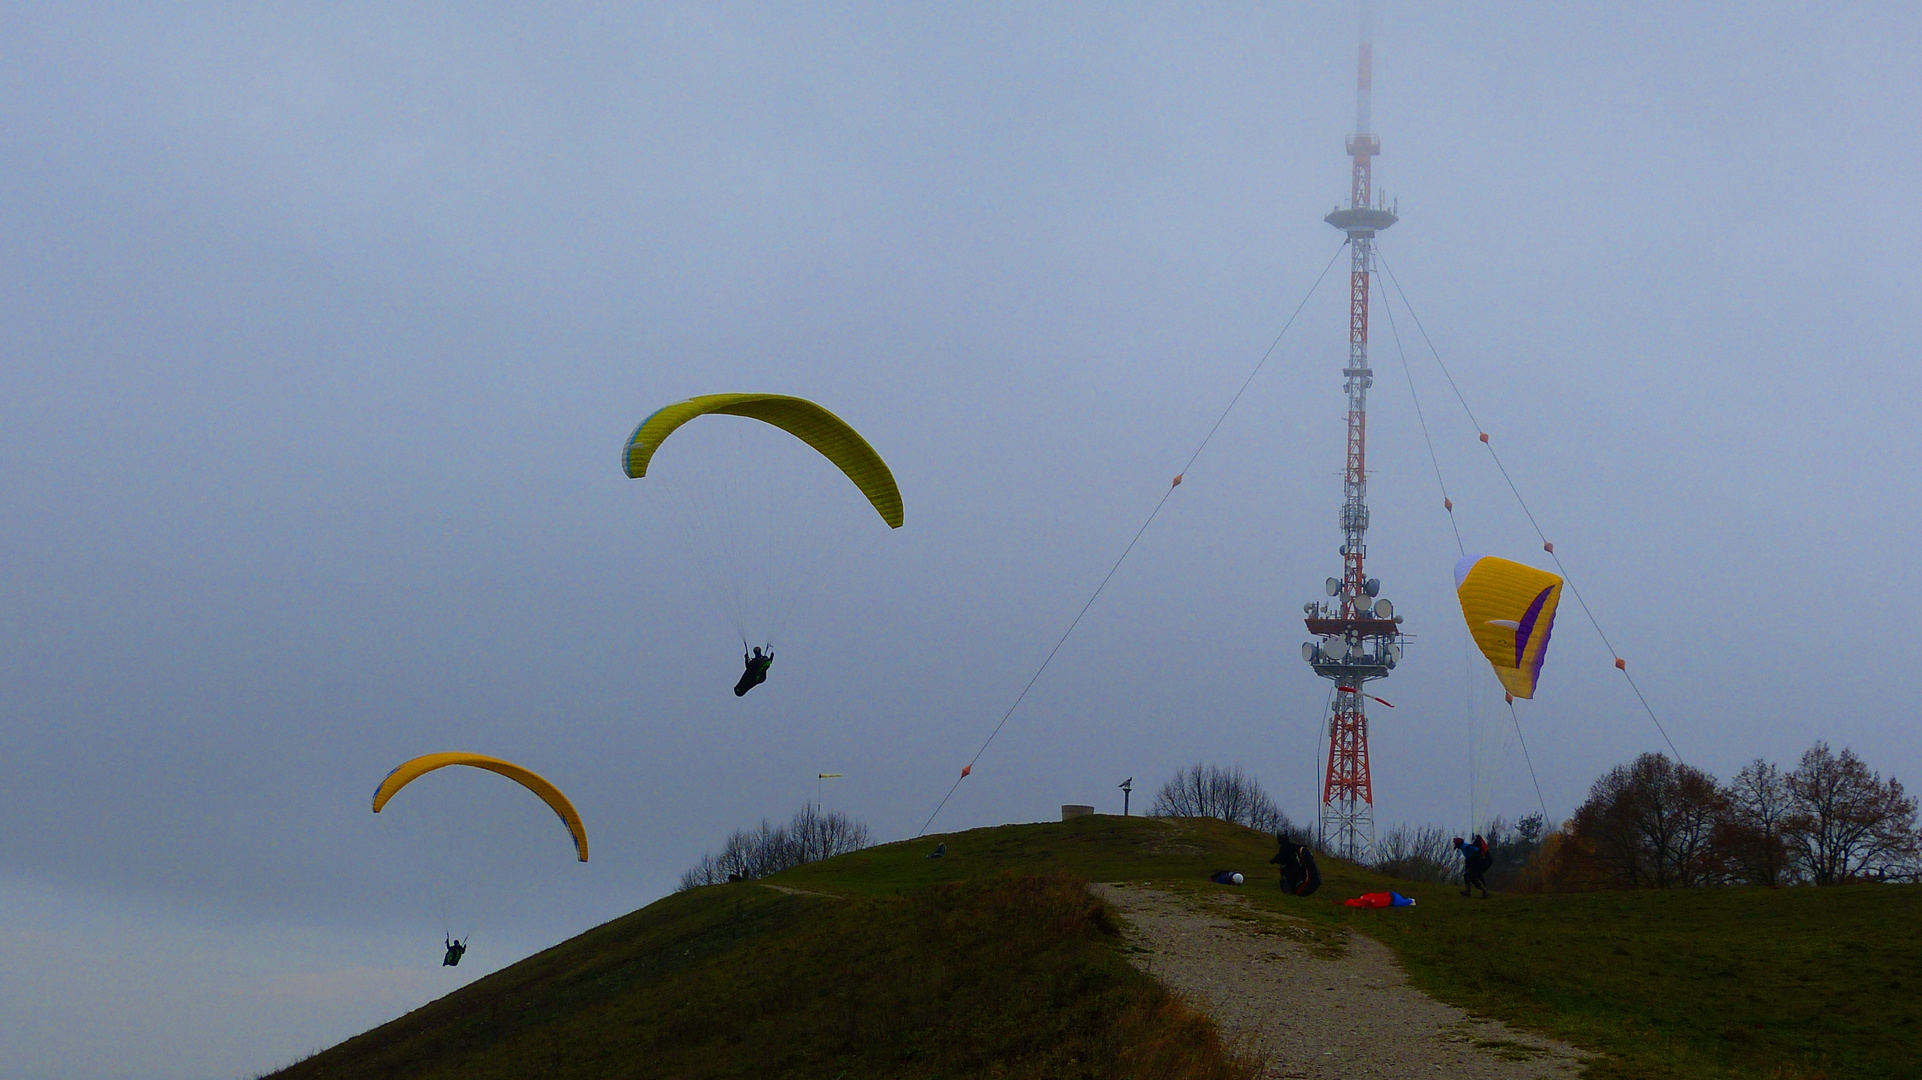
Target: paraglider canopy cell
827 433
408 771
1510 611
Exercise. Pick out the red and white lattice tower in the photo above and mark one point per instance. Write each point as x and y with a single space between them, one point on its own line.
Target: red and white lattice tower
1359 635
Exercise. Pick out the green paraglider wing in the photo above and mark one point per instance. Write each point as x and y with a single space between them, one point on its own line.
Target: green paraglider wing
409 771
827 433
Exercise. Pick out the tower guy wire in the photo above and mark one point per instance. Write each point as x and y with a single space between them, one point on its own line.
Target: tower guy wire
1448 504
1481 432
1152 514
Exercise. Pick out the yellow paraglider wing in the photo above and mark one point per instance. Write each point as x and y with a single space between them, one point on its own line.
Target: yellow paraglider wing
409 771
1510 610
827 433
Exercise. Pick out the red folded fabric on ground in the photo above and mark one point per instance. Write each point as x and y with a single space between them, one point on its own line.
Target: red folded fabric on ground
1380 899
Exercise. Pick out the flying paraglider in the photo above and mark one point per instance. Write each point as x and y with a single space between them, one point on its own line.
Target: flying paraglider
408 771
1510 611
761 523
825 432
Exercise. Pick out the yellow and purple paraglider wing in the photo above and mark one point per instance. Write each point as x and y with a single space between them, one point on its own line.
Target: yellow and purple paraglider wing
827 433
409 771
1510 611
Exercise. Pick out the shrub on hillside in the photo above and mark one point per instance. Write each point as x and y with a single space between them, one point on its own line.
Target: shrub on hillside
1417 853
748 854
1516 849
1228 794
1427 853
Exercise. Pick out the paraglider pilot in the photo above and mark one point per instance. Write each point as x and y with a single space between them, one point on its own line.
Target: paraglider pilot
1476 860
756 672
1299 873
455 949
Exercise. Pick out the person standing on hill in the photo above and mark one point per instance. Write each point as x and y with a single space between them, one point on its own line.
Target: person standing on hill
1476 859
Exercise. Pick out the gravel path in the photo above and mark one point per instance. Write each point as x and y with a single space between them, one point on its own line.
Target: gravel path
1312 1002
791 891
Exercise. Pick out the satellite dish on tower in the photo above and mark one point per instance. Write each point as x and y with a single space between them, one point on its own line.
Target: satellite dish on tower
1384 609
1334 586
1308 651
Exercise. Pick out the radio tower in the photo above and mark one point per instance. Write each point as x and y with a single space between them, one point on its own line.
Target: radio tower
1359 635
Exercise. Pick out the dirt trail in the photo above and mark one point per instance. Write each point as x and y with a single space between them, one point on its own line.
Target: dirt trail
791 891
1314 1002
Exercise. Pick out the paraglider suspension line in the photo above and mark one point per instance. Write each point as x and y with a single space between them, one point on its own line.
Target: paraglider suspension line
1512 715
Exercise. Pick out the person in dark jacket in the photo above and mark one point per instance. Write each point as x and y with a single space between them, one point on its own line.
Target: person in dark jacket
756 672
455 950
1476 859
1299 873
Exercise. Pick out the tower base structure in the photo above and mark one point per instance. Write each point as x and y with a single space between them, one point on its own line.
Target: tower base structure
1347 825
1361 642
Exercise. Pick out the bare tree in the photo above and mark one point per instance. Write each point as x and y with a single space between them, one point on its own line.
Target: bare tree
816 835
1417 853
1427 853
1228 794
1846 822
1750 836
1649 824
748 854
706 872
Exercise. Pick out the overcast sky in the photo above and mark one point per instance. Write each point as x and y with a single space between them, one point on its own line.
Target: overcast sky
324 326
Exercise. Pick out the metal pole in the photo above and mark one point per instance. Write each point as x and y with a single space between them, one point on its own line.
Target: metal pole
818 778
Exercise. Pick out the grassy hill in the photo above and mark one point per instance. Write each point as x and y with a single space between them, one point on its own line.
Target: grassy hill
993 962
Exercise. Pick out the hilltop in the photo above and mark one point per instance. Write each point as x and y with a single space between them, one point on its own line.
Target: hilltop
995 961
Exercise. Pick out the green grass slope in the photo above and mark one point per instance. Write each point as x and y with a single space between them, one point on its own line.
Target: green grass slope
1788 983
1010 976
992 962
1785 983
